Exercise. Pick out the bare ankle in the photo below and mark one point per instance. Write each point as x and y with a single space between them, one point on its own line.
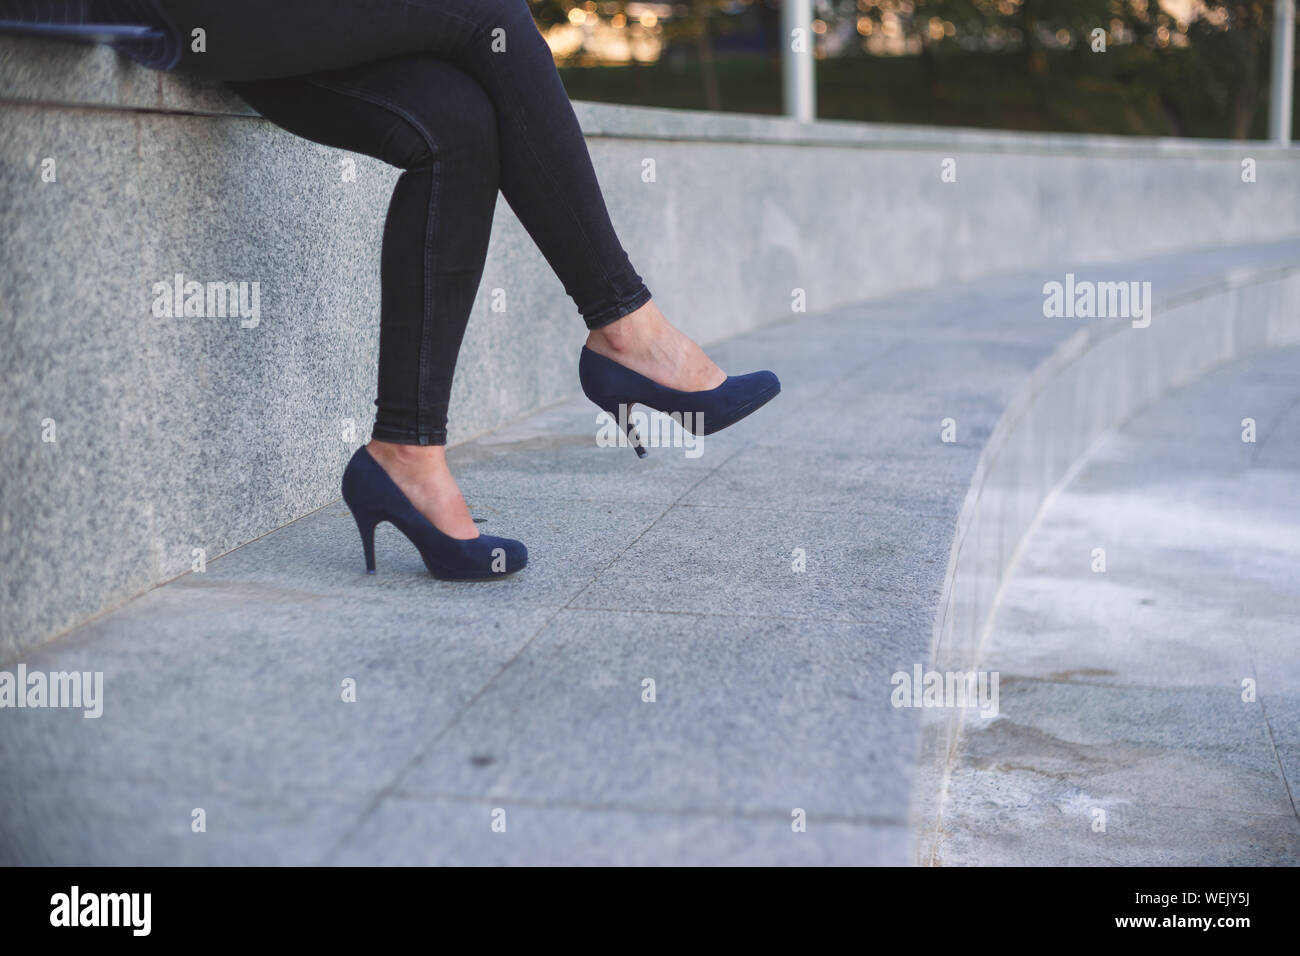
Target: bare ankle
615 337
610 344
408 455
630 331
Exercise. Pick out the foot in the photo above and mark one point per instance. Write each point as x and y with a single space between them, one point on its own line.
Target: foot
646 342
422 474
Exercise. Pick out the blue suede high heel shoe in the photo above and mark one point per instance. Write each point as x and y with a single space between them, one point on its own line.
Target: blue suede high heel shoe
373 497
610 385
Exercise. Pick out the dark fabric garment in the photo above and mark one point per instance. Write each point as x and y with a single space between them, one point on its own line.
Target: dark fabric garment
461 94
431 119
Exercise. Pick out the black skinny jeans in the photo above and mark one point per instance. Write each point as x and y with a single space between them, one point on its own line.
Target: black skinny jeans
461 94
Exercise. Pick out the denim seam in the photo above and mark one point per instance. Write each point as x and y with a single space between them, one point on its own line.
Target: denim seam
409 436
430 216
622 307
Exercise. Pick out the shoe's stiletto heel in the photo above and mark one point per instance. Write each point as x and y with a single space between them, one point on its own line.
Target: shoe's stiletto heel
367 529
633 436
629 428
373 497
611 385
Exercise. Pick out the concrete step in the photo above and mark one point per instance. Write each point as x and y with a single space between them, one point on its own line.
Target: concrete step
1149 709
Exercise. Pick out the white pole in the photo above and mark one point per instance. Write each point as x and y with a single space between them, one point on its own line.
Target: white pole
1279 118
797 59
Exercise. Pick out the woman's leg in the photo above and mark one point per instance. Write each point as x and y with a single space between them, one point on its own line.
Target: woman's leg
436 123
545 169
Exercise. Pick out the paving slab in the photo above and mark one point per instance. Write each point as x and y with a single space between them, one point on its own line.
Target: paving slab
80 820
433 832
748 715
220 686
860 567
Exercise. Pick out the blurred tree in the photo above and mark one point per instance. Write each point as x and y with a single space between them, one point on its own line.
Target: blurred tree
1200 70
1232 46
697 30
549 13
1223 49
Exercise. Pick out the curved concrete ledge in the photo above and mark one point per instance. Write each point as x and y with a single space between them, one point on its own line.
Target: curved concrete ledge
179 437
1122 697
1093 382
